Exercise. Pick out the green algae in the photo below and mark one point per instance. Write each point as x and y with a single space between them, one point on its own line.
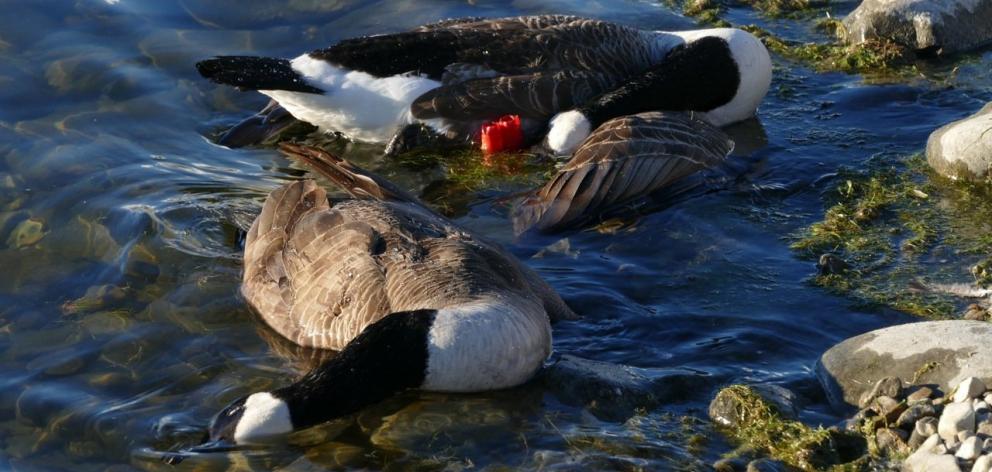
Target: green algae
761 429
878 57
896 225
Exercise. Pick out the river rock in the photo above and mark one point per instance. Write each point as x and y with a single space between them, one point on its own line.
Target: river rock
891 441
939 27
614 391
724 407
925 428
983 464
930 458
968 389
919 395
969 449
963 149
769 465
956 418
940 353
887 387
911 416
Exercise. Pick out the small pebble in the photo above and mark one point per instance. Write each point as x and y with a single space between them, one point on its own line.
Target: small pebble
987 445
957 417
988 398
969 449
889 408
887 387
919 395
913 414
891 441
971 387
925 428
983 464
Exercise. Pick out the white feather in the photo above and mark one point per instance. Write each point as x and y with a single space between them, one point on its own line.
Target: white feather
490 344
355 103
568 130
264 416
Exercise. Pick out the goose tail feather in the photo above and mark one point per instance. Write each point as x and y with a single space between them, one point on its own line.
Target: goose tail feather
255 73
358 182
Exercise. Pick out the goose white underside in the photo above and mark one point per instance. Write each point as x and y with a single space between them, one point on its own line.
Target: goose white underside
486 345
357 104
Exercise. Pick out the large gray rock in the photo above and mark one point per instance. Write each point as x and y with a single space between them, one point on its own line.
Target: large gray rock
932 352
963 149
941 27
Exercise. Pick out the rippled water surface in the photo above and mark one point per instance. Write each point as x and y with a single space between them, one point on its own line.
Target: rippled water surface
121 330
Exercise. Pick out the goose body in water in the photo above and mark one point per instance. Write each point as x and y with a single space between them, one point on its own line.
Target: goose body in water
451 77
409 298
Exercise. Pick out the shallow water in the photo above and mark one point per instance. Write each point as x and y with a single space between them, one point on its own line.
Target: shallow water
121 330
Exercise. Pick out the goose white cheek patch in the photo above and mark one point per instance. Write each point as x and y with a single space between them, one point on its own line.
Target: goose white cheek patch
264 416
568 130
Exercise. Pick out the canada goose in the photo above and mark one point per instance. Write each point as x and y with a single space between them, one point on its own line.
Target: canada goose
451 77
411 299
624 159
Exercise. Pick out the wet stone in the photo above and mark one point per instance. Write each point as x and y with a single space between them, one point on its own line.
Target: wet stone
891 441
769 465
963 149
730 464
913 414
26 233
930 27
724 407
831 264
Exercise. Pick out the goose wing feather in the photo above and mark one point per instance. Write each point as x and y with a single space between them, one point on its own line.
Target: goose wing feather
624 159
535 95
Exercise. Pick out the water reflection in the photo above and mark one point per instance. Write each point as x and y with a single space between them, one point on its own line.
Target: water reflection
121 327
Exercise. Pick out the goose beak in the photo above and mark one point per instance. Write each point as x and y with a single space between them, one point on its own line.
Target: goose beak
224 424
258 128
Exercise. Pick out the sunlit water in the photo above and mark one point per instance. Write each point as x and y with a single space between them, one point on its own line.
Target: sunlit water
121 330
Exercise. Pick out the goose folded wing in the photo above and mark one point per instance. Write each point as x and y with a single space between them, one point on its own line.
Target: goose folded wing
534 95
624 159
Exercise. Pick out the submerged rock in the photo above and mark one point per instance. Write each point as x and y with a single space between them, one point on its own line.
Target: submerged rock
614 391
725 408
963 149
939 27
933 352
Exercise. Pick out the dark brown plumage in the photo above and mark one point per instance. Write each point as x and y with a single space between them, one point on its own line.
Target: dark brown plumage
320 272
625 158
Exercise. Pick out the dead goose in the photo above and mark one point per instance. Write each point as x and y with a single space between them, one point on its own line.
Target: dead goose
624 159
453 76
411 299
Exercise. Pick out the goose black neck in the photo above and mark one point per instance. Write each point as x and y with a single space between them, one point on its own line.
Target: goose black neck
389 356
699 76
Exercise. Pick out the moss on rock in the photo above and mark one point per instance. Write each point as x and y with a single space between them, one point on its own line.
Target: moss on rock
761 429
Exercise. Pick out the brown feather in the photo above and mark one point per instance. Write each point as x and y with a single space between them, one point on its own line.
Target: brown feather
624 159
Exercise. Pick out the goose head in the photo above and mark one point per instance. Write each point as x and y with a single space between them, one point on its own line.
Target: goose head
721 72
252 419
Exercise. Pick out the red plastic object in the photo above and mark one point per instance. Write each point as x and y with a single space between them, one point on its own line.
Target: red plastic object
502 134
